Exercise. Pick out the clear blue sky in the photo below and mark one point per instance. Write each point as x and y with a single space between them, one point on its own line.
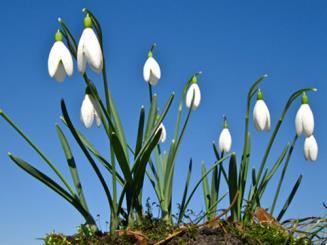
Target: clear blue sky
232 42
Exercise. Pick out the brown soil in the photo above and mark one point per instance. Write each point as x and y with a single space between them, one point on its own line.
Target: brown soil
208 236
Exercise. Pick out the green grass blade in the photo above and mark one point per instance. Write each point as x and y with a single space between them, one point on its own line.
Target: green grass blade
119 153
290 198
86 153
139 139
151 117
180 217
205 187
200 181
153 133
38 150
283 174
72 166
232 184
97 155
221 163
53 186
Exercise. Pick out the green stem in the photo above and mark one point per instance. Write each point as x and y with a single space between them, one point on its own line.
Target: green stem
283 174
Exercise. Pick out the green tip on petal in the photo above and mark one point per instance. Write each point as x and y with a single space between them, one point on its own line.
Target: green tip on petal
194 79
259 96
305 99
58 36
225 122
87 21
88 90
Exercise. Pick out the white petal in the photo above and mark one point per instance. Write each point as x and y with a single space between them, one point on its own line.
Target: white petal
60 74
97 118
193 89
163 132
66 58
54 59
151 71
298 121
260 115
267 126
307 120
225 140
81 59
87 112
93 50
310 148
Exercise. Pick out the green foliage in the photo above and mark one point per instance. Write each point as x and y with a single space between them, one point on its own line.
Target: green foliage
129 166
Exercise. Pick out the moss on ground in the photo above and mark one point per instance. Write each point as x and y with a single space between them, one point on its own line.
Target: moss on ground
156 230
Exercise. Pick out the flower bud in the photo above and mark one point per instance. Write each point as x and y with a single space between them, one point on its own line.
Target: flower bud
261 114
310 148
304 121
193 90
225 138
151 69
60 61
89 49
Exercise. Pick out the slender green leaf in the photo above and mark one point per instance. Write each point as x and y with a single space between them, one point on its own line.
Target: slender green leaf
38 150
185 190
283 174
54 186
232 183
72 166
86 153
139 139
290 198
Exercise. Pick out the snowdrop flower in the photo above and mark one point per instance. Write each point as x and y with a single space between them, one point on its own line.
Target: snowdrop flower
304 122
261 115
151 69
225 138
89 49
60 61
89 112
310 148
163 132
193 90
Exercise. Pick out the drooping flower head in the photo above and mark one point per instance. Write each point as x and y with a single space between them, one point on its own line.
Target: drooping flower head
193 93
304 121
89 50
89 111
225 138
163 132
60 62
151 69
310 148
261 114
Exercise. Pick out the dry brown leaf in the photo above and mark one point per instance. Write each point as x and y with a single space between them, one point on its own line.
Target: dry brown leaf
139 236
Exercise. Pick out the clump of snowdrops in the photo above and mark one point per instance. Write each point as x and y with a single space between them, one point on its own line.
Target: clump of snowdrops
129 164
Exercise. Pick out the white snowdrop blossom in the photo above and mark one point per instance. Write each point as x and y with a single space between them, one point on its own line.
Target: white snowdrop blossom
163 132
261 114
225 139
151 69
89 49
60 62
89 112
193 90
310 148
304 121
